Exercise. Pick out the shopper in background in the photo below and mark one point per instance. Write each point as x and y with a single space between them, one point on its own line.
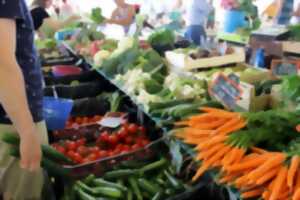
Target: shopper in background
285 11
211 17
21 97
296 18
123 15
197 13
42 20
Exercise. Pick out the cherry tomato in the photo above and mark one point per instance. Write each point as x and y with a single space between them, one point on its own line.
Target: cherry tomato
113 139
126 148
122 133
110 154
77 157
132 128
85 160
71 154
119 147
128 140
97 118
142 129
60 149
135 147
78 120
116 152
125 126
94 149
103 154
104 137
145 142
83 150
71 145
81 142
85 120
92 157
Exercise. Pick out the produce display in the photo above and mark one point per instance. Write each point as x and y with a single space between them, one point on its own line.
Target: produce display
132 180
128 137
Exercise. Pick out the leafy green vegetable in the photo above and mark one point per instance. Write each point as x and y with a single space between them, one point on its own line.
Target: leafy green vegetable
163 37
96 15
291 91
295 32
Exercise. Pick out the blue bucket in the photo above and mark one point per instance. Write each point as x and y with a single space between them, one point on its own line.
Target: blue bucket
56 112
234 19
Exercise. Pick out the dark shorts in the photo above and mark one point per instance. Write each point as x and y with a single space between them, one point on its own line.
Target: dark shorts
195 34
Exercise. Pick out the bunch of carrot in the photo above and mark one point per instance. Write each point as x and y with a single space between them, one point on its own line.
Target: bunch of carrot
255 172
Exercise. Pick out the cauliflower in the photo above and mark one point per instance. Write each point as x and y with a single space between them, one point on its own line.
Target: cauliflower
145 98
100 56
123 45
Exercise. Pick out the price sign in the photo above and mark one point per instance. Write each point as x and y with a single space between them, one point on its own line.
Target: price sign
284 68
226 90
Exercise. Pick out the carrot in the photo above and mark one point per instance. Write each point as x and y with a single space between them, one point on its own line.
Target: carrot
227 157
293 170
218 156
211 125
242 181
193 141
296 195
258 150
272 162
200 172
233 128
240 154
252 193
227 178
279 182
181 123
228 124
213 141
210 109
207 117
268 176
266 195
197 133
248 164
209 152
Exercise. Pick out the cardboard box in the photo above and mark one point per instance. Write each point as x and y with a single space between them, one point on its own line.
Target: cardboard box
185 62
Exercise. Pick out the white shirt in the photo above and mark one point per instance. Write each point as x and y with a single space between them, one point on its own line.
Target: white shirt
197 12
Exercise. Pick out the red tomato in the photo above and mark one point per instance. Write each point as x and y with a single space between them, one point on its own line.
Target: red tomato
83 150
135 147
142 129
122 133
145 142
133 128
116 152
92 157
104 137
81 142
77 157
128 140
113 139
71 145
71 154
85 160
126 148
94 149
111 153
61 149
125 126
103 154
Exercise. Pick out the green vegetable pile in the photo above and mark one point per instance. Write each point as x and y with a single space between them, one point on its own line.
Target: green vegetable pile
291 92
132 180
97 16
164 37
295 32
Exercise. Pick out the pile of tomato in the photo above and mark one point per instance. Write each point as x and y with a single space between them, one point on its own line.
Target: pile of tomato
127 138
74 122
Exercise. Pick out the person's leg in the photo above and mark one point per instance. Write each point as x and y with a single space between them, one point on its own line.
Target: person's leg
16 183
193 34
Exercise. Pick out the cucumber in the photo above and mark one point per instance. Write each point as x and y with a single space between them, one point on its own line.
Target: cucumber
101 182
84 196
89 180
173 181
160 181
135 188
105 191
154 165
157 196
48 151
50 166
167 104
129 194
148 186
120 173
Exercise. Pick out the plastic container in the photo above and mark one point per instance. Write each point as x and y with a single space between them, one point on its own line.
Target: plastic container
66 70
56 112
234 19
260 58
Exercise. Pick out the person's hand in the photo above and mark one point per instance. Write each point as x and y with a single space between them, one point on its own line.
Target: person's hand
30 151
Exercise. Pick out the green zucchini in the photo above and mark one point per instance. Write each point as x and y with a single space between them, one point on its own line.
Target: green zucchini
48 151
168 104
129 194
154 165
135 188
103 183
105 191
157 196
120 173
89 180
173 181
50 166
148 186
84 196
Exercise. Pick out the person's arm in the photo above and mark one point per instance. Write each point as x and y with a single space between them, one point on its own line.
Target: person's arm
279 4
13 97
57 24
123 22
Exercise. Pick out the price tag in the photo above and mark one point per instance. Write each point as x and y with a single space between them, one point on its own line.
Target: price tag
285 68
226 90
111 122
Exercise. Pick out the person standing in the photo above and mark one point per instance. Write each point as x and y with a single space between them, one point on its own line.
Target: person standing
21 107
197 13
285 8
123 15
